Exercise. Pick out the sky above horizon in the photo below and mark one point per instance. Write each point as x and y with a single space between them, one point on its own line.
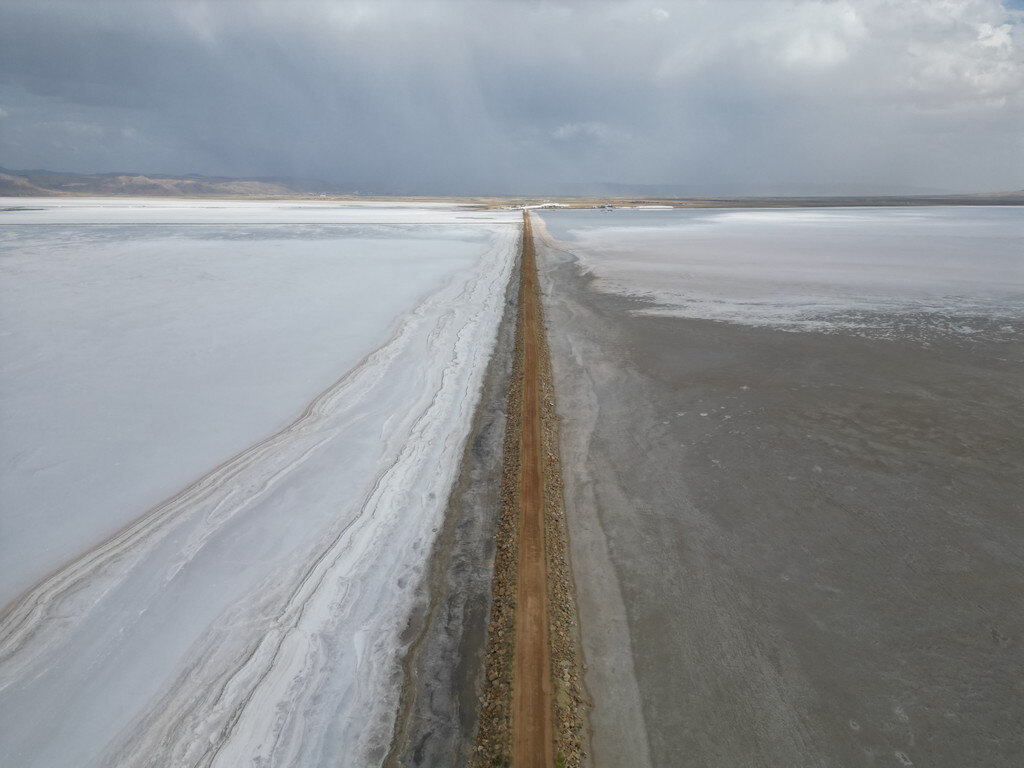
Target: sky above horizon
514 97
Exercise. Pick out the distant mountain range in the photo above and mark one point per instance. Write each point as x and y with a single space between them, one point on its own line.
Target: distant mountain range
46 183
789 189
795 189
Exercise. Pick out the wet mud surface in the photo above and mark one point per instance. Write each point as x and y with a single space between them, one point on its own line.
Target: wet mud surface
790 548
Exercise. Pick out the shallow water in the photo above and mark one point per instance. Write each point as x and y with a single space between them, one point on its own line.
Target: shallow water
877 272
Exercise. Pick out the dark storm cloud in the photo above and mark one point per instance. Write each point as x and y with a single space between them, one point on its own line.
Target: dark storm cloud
449 97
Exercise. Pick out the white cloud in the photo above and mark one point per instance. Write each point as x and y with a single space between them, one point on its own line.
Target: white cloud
586 130
822 36
961 61
995 37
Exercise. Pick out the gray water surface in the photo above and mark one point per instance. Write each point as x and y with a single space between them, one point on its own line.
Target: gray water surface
876 272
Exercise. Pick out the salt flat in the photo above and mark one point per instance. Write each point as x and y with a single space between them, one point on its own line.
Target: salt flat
227 446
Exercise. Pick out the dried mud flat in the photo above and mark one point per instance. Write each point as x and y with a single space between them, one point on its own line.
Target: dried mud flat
790 548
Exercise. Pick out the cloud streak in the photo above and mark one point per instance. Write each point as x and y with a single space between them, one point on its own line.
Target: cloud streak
448 97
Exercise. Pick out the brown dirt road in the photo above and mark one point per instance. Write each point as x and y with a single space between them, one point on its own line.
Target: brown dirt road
532 741
532 704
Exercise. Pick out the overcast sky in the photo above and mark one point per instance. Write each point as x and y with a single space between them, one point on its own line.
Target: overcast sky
722 96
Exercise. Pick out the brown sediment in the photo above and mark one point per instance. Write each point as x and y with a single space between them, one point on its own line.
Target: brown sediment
532 709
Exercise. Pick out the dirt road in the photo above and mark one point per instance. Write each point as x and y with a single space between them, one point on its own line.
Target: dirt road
532 706
531 715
